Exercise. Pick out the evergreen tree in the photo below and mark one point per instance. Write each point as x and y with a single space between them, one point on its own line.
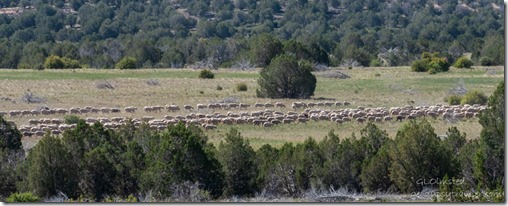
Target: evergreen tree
239 165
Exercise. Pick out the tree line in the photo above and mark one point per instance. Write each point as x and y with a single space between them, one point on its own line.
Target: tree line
91 163
184 33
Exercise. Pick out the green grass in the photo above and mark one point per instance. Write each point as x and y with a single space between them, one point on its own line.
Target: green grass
95 74
392 87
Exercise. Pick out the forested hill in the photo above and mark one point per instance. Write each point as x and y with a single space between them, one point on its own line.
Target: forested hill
224 33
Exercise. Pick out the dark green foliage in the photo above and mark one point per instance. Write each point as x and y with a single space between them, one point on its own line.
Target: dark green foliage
126 63
51 169
182 154
463 62
241 87
486 61
455 140
71 119
97 174
239 164
309 161
56 62
286 78
10 137
374 176
264 48
23 197
218 88
10 160
489 161
206 74
418 154
474 97
431 63
266 158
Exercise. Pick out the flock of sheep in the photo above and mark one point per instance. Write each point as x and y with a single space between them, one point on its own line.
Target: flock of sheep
265 115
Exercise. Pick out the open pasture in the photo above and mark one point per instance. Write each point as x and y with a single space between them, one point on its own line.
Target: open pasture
368 87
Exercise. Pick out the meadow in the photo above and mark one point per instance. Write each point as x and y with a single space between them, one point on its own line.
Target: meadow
368 87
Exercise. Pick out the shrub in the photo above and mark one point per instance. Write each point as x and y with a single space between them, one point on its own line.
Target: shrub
296 77
453 99
71 63
54 62
219 88
71 119
463 62
486 61
241 87
375 63
126 63
431 63
206 74
474 97
23 197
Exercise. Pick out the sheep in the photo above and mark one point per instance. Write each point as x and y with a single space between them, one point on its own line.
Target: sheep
209 126
115 110
74 110
311 104
148 109
27 134
130 109
61 111
267 124
94 110
201 106
26 112
243 105
280 105
188 107
105 110
172 108
14 113
34 122
45 112
360 119
56 121
90 120
233 105
103 120
83 111
55 132
117 119
320 104
39 133
346 103
259 105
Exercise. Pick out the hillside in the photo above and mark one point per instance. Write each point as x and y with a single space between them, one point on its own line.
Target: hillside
186 33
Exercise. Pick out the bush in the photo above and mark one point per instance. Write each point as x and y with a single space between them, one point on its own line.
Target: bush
285 77
453 99
486 61
71 63
474 97
126 63
431 63
463 62
54 62
23 197
219 88
375 63
241 87
71 119
206 74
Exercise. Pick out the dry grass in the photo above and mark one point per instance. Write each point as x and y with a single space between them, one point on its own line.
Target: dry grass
392 87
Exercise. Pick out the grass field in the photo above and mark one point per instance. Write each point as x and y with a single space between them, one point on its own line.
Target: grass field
369 87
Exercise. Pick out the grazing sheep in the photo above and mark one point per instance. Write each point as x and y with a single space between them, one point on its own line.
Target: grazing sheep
259 105
148 109
172 108
105 110
74 110
201 106
115 110
130 109
56 121
55 132
210 126
311 104
14 113
243 105
39 133
26 112
34 122
280 105
27 134
233 105
94 110
320 104
188 107
346 103
267 124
